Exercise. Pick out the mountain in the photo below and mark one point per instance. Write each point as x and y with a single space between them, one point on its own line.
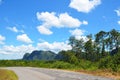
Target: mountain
40 55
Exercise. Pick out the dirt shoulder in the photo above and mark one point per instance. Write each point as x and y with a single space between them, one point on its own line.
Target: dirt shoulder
104 73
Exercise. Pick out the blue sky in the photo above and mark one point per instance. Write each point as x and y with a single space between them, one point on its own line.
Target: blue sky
27 25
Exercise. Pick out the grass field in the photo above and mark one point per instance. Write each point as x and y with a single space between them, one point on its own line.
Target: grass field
7 75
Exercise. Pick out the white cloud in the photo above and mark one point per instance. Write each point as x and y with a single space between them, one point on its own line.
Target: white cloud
24 38
49 19
41 40
118 12
1 2
119 22
68 21
44 30
2 38
84 5
14 29
79 34
55 46
22 49
85 22
84 38
59 21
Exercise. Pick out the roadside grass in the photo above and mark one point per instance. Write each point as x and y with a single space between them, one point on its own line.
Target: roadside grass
7 75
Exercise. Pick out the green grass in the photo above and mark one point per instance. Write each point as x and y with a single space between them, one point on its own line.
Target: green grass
7 75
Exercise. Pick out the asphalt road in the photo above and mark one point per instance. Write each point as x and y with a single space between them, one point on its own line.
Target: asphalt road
29 73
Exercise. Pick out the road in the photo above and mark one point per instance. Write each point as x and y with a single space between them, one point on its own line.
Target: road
29 73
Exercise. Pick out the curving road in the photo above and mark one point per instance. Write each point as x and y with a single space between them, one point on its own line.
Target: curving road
29 73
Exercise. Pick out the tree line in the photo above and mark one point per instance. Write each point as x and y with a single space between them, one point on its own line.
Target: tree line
103 48
96 47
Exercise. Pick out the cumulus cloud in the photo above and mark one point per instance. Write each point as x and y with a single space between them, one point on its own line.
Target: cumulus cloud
14 29
55 46
59 21
119 22
79 34
84 5
2 38
118 12
44 30
24 38
22 49
68 21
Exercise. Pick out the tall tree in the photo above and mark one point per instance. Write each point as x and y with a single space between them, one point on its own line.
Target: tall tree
72 41
114 37
100 40
89 48
77 45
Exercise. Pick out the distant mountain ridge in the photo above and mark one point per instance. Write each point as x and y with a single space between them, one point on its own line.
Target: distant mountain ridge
40 55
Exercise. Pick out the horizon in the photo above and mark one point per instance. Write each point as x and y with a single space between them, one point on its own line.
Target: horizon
47 25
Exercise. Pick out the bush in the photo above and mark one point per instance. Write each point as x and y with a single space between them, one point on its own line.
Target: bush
62 65
87 65
110 62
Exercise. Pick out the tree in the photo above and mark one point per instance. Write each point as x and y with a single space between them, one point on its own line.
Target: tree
72 41
89 48
77 45
100 41
114 39
104 43
68 56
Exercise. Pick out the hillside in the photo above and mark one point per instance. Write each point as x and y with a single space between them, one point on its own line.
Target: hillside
39 55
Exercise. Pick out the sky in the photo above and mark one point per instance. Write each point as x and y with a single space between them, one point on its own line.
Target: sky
27 25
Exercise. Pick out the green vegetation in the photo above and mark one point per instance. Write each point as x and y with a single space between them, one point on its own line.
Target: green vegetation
7 75
82 65
111 63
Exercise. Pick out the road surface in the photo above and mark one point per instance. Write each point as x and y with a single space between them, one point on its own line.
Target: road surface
29 73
